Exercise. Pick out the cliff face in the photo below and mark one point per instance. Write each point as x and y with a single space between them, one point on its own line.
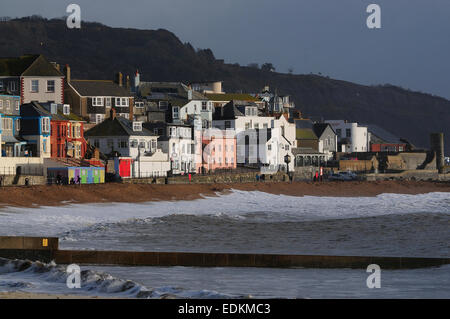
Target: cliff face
96 51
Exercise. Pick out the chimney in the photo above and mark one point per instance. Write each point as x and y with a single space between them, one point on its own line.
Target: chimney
131 109
128 82
137 79
55 65
67 73
112 113
119 78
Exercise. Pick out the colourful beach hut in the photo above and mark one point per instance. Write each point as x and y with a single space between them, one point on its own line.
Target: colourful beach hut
85 175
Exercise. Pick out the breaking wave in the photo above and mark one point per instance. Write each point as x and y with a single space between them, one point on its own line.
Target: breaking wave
93 283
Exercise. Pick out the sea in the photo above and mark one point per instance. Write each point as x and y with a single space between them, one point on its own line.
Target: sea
240 222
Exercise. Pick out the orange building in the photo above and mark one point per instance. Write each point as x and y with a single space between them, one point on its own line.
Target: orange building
67 134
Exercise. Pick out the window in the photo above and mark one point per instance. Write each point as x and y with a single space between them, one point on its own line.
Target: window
44 145
108 102
348 132
17 125
66 109
139 105
122 101
338 132
176 112
265 125
12 86
1 85
45 122
123 144
51 86
257 126
1 104
7 124
133 143
17 105
98 118
8 106
173 131
78 150
247 126
68 130
204 106
142 143
34 86
163 105
227 124
110 143
97 101
269 147
153 147
137 126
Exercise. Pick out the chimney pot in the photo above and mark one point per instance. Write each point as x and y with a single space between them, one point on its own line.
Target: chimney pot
112 113
67 73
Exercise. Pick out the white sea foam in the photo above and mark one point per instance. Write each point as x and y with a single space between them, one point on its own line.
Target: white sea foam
51 221
23 275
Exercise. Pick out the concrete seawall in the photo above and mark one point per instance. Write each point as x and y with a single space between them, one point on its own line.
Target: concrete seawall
239 260
46 249
32 248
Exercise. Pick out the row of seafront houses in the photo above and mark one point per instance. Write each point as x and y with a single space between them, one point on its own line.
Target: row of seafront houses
56 123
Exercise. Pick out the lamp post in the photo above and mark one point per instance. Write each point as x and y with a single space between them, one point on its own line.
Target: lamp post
287 160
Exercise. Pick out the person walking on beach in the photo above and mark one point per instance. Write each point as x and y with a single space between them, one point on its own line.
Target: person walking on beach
321 173
316 176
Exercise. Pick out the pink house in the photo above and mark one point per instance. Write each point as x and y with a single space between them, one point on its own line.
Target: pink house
218 151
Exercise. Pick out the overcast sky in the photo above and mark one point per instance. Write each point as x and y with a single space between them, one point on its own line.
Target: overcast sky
329 36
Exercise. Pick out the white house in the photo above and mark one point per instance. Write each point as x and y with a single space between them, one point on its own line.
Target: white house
351 137
177 141
182 103
274 137
118 136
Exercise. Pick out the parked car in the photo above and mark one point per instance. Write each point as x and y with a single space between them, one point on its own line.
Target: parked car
342 176
350 174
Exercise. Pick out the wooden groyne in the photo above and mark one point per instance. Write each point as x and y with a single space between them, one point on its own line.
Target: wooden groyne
33 249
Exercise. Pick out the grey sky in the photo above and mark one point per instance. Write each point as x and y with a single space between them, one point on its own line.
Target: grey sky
329 36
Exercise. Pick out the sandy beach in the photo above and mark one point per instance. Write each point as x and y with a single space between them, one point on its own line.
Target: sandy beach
135 193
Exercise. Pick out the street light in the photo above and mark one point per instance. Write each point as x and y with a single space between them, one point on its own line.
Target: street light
287 160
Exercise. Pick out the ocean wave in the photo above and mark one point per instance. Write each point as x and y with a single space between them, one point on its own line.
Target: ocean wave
92 282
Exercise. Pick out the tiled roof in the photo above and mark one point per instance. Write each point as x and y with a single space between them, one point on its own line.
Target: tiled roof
305 134
99 88
15 66
117 127
27 65
175 92
231 96
319 128
231 110
33 109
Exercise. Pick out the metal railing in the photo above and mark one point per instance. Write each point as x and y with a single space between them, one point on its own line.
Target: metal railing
22 170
